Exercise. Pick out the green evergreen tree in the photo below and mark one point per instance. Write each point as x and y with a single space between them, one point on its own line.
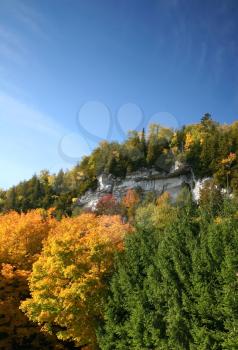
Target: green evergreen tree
145 309
153 144
177 288
11 200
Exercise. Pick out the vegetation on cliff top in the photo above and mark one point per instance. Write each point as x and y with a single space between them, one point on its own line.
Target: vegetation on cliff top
211 149
144 273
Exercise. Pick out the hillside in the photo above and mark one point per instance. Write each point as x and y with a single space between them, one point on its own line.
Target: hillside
208 148
116 253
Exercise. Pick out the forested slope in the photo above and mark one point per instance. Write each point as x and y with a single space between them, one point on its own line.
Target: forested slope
141 273
209 148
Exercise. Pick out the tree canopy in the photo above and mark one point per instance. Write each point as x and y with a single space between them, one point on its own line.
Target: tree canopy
210 148
176 287
69 280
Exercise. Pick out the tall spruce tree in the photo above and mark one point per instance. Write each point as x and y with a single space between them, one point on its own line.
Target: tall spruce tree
146 308
176 288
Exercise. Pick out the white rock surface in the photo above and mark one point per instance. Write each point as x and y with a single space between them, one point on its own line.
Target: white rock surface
199 184
147 180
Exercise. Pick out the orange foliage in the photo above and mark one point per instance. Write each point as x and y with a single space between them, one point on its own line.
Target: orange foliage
21 236
229 160
131 199
69 280
16 331
129 202
107 205
163 199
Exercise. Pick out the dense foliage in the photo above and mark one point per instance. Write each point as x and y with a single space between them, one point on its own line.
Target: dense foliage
141 274
21 240
171 285
69 280
209 148
175 287
22 235
16 331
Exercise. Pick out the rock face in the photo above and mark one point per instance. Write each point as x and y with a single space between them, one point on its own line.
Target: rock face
198 186
145 180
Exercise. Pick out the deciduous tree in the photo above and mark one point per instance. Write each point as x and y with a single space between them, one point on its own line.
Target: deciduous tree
70 279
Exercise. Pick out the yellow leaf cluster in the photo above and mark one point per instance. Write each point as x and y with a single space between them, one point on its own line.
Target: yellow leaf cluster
21 236
69 280
15 329
189 140
229 160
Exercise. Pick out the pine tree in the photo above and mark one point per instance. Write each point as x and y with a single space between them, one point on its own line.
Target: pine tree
153 144
145 309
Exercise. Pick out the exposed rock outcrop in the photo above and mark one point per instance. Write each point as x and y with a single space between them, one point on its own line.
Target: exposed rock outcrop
198 186
145 180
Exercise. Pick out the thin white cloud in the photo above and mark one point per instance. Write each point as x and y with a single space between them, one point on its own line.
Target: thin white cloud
12 38
32 19
19 113
12 46
33 140
11 54
29 139
15 43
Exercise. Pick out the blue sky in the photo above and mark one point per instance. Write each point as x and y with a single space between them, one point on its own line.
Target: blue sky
75 71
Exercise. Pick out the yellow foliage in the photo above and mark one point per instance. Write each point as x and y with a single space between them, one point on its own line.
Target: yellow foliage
69 280
194 134
16 331
164 199
229 160
189 140
157 216
218 220
21 236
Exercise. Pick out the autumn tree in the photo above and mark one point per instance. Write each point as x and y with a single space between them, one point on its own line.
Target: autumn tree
130 202
22 235
70 279
226 164
16 331
108 205
203 146
21 241
192 147
156 216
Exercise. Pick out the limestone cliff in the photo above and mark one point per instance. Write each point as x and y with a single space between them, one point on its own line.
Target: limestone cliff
145 180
